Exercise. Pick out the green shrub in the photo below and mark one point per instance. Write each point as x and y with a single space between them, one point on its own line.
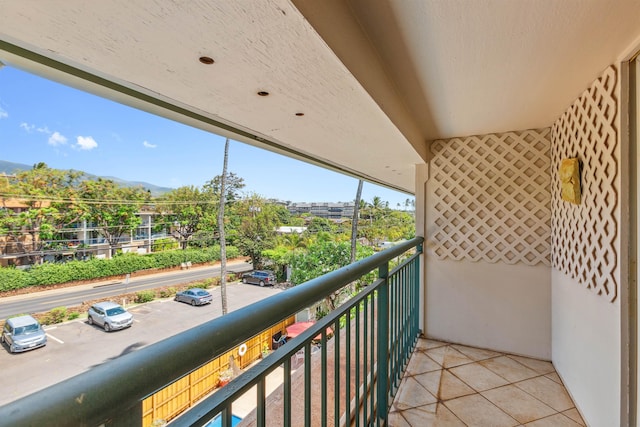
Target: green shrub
145 296
206 283
166 293
56 315
74 315
164 244
51 273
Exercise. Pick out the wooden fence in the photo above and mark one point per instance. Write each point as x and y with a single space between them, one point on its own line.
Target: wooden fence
177 397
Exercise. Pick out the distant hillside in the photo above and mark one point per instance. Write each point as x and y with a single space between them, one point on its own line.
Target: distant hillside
10 168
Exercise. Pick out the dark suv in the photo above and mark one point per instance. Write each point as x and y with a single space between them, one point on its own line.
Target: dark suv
259 277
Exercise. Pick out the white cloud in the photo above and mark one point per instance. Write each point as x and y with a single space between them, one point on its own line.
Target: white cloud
45 130
3 114
149 145
27 126
86 143
57 139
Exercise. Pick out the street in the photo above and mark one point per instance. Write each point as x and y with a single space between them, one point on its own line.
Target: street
76 346
68 297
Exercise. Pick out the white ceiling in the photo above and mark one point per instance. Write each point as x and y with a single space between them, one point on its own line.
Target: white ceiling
376 80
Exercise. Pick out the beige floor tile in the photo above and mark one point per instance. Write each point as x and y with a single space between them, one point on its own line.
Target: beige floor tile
434 415
540 366
478 377
421 363
444 385
574 415
548 391
555 377
397 420
412 394
520 405
476 411
509 369
426 343
448 356
476 353
557 420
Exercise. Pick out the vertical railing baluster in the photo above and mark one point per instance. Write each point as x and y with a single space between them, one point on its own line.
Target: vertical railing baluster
347 372
226 416
336 373
307 384
365 360
416 281
402 346
323 379
287 392
383 345
357 365
372 367
406 314
260 402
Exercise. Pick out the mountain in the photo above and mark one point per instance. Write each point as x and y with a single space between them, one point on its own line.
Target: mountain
10 168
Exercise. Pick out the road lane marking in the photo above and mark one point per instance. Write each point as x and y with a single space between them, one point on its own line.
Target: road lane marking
55 339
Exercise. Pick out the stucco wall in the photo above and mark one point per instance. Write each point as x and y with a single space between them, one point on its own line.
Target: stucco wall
586 350
495 306
488 281
586 301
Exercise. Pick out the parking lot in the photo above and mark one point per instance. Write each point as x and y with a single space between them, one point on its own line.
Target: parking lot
76 346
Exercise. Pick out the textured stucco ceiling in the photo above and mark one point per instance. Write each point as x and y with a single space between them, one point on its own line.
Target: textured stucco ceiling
376 80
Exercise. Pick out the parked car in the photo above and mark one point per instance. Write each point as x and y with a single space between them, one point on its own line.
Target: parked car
194 296
23 333
110 316
259 277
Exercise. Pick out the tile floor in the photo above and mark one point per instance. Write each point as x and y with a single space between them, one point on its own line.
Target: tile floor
453 385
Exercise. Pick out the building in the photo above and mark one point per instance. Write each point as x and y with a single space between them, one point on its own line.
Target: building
471 106
323 210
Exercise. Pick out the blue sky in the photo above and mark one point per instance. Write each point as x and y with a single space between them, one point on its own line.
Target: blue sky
43 121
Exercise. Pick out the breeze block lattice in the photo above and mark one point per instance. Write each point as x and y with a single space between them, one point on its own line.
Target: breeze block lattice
491 197
584 236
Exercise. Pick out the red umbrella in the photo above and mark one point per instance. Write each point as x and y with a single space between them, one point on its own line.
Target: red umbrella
299 327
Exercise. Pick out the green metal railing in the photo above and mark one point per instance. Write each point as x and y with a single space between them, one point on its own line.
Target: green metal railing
380 323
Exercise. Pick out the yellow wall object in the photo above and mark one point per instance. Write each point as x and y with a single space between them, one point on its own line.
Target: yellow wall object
570 180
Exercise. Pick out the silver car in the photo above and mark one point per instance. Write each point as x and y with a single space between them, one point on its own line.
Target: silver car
110 316
194 296
23 333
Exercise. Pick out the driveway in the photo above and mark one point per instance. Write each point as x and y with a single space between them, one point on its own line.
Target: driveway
76 346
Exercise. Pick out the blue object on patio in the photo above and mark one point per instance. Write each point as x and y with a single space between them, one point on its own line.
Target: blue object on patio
217 421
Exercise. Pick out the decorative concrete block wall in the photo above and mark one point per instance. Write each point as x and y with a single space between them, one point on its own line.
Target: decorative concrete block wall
584 236
492 198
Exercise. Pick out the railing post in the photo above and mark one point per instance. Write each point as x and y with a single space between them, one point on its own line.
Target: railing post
383 345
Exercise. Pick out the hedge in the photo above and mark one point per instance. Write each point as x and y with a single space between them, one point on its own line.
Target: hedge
52 274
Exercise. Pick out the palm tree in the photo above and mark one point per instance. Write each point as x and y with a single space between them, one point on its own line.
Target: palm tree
354 222
223 247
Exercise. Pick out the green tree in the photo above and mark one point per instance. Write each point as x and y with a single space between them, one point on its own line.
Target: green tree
184 209
48 196
232 186
324 257
318 224
112 208
258 221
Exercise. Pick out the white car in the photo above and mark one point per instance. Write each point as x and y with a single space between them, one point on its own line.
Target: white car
110 316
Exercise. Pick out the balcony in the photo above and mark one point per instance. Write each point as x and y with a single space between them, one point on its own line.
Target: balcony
321 378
